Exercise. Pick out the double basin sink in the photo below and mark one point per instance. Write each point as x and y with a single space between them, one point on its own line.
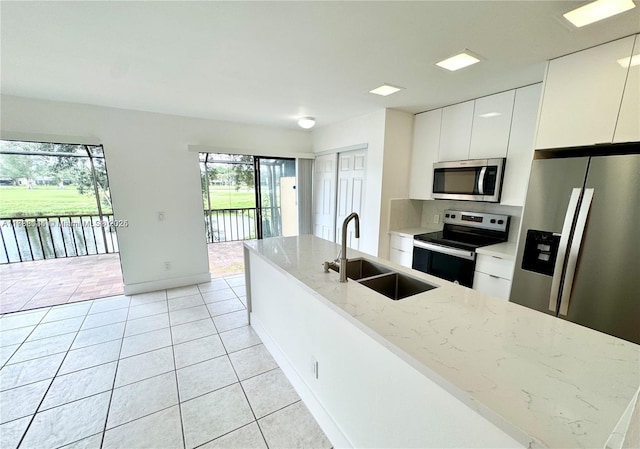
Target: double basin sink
385 281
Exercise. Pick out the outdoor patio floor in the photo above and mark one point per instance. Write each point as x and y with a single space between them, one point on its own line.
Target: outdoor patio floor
30 285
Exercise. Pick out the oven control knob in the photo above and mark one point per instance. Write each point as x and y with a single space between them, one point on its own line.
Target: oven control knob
446 215
500 221
453 216
493 220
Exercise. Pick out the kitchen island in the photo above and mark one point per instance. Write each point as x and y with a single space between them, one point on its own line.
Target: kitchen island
450 367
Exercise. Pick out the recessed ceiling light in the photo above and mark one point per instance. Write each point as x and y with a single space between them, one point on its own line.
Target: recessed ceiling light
386 89
306 122
490 114
458 61
596 11
630 61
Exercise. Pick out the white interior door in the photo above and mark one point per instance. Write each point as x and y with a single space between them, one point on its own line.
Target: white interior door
324 197
351 172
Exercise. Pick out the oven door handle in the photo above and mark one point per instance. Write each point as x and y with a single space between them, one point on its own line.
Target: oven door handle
469 255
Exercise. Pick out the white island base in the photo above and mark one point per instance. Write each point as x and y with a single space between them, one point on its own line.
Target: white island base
364 395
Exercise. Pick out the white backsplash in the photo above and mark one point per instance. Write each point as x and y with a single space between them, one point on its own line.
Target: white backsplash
431 208
405 213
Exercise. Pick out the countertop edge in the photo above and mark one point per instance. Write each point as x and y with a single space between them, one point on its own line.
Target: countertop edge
505 250
490 415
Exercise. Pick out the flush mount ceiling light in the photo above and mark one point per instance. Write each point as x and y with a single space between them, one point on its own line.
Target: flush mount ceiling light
490 114
386 89
306 122
631 61
458 61
596 11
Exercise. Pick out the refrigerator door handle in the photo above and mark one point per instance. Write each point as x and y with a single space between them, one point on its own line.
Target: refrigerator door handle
574 252
562 249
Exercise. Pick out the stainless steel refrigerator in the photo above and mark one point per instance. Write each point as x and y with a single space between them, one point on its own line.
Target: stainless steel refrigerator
580 253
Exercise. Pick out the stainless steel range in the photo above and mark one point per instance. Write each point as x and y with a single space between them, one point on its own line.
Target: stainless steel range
451 253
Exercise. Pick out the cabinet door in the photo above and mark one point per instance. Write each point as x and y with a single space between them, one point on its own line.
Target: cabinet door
491 125
521 140
628 126
401 257
495 266
426 141
455 133
582 96
492 285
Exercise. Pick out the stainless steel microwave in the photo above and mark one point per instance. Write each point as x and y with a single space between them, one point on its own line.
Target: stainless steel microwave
469 180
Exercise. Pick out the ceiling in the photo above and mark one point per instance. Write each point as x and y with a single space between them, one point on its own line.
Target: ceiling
271 62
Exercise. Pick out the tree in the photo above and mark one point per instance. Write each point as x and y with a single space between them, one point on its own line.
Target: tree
78 171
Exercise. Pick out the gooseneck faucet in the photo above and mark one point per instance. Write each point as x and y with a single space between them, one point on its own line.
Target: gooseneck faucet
343 250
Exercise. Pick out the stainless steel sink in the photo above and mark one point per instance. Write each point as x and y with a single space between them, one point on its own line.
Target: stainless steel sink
396 285
362 268
383 279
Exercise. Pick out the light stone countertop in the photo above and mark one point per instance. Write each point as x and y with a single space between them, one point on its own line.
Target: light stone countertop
544 381
504 250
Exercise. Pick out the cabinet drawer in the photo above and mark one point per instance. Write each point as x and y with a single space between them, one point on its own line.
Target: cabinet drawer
401 257
490 285
495 265
401 242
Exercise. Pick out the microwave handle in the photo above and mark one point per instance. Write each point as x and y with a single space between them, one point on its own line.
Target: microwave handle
483 173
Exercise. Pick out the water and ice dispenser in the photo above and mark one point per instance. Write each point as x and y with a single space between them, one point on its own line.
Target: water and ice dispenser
540 251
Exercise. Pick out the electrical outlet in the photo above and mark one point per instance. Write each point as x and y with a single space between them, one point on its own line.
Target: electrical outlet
167 266
436 219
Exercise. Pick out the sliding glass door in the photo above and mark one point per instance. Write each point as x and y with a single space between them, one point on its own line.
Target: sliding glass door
248 197
278 209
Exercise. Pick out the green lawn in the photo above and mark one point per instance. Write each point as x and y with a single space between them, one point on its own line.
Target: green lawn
45 200
49 200
226 197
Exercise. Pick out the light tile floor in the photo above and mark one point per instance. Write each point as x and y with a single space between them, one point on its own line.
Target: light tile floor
173 369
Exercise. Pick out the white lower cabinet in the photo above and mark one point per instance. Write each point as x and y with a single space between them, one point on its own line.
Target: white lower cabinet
493 275
401 250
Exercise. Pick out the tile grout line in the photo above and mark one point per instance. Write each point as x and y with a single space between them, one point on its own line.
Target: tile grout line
255 419
175 373
33 417
20 345
115 376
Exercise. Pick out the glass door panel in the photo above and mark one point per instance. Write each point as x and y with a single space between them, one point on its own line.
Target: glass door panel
278 207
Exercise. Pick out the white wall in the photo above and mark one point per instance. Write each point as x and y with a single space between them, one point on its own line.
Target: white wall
151 170
367 129
398 139
388 134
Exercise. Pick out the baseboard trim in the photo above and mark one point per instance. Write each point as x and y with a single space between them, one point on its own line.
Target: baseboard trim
324 419
144 287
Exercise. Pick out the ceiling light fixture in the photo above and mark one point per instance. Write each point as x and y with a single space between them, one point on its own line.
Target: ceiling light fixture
306 122
631 61
596 11
458 61
490 114
386 89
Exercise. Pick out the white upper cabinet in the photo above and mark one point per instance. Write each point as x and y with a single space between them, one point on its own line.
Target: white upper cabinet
628 126
582 96
455 133
491 125
426 141
521 140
